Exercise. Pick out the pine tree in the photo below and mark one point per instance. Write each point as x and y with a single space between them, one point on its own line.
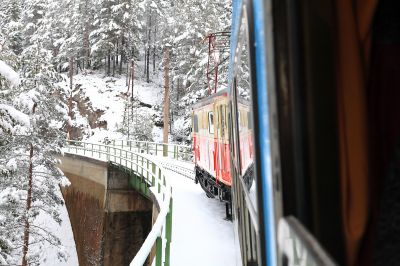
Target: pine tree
29 177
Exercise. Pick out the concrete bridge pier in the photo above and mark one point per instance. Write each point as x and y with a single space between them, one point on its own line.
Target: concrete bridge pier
109 219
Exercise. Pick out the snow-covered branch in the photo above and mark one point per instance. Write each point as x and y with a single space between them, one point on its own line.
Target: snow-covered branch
9 73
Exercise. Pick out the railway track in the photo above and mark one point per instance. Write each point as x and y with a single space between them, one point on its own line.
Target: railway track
179 169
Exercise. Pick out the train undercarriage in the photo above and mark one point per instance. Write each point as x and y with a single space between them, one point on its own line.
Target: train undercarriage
215 189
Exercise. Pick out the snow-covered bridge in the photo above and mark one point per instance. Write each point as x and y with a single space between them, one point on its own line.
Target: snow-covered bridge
198 236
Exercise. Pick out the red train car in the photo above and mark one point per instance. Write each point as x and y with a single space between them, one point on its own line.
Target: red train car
211 144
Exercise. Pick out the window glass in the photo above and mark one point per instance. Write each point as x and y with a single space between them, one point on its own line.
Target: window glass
249 121
196 123
245 114
211 122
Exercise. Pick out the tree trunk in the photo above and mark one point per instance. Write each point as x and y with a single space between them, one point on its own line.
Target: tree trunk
113 63
145 59
109 63
71 76
127 75
86 42
122 54
132 75
166 101
28 208
154 48
178 90
148 51
116 54
148 66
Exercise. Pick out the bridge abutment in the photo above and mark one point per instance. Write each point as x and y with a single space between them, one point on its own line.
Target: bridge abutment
110 219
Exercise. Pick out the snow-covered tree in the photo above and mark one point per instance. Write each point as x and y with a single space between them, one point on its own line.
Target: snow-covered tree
31 116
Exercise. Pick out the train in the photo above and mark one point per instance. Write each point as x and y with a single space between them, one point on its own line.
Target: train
310 155
211 149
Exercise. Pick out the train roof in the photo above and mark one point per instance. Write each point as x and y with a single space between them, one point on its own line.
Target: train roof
210 99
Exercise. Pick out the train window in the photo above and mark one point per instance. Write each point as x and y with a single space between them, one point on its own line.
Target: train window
239 120
244 114
249 121
195 123
211 122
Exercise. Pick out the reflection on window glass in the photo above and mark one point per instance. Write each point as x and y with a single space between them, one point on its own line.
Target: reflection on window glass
244 115
196 124
211 122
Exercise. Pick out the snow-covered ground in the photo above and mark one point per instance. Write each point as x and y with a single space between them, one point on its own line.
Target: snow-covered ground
200 235
109 94
64 233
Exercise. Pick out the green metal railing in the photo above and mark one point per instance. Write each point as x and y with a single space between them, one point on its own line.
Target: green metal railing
173 151
154 180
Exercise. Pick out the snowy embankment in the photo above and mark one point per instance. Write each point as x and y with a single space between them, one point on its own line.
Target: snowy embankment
109 95
64 232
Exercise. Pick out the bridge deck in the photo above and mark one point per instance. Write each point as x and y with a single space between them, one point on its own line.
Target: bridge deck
200 235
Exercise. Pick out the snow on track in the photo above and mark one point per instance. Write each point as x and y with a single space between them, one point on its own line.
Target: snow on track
200 235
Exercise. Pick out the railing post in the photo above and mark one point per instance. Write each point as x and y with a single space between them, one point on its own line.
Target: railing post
165 150
142 164
154 173
156 149
137 164
168 234
158 180
158 251
148 168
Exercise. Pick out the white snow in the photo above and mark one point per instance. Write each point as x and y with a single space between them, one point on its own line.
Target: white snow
20 118
109 94
200 235
64 233
9 73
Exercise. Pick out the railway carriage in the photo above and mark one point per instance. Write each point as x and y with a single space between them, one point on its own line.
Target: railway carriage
322 78
313 132
211 145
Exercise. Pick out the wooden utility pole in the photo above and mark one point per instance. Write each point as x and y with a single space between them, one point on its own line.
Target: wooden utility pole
166 100
131 77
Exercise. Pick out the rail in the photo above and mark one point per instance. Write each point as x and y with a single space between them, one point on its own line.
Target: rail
173 151
152 174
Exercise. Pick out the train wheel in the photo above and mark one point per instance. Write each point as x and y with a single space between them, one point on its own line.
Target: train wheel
228 211
196 177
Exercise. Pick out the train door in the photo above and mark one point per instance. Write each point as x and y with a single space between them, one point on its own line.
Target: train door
220 141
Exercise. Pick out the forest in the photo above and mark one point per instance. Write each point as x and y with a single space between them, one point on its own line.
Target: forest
46 42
